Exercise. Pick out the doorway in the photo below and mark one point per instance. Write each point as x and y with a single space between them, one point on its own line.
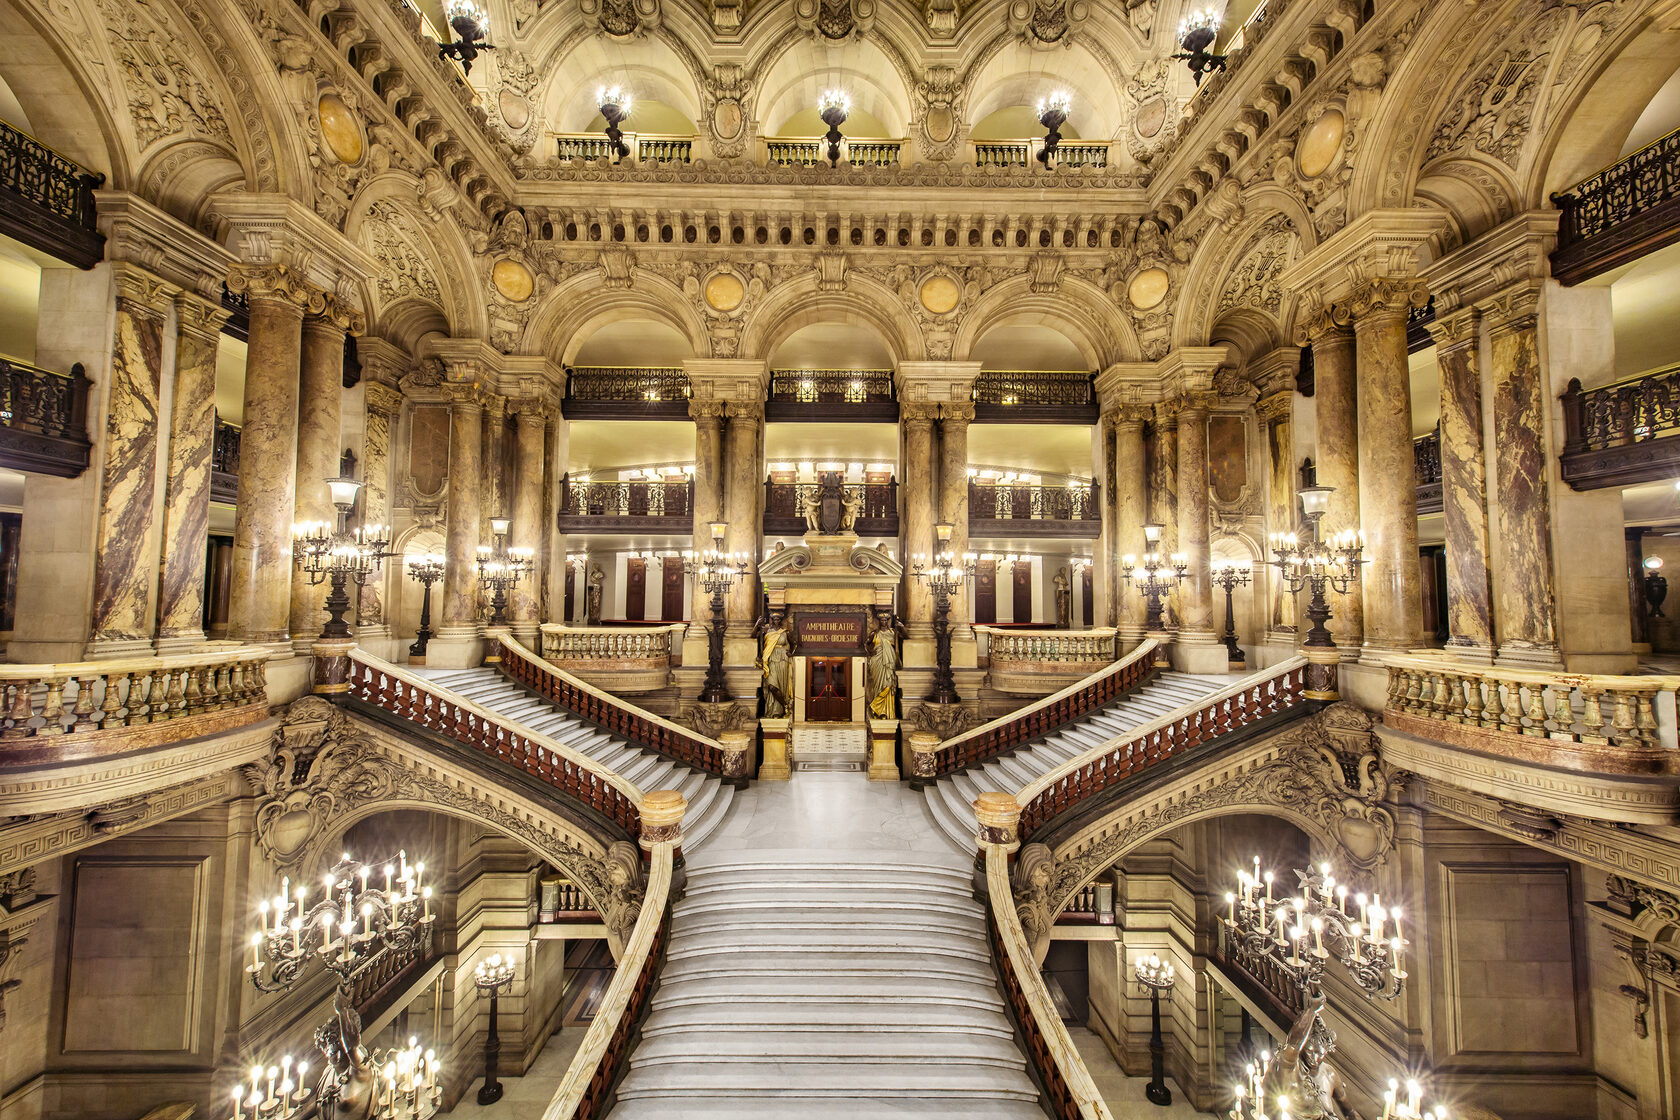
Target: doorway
671 602
1021 574
635 589
828 693
985 592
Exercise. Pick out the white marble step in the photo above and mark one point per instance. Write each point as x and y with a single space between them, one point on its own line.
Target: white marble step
835 1107
786 1079
906 929
814 1018
883 1047
889 947
839 906
863 881
716 995
835 967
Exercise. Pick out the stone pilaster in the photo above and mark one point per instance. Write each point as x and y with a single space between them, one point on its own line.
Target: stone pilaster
1195 622
262 527
530 416
557 437
1131 510
1464 485
917 490
953 499
459 628
1104 606
1387 467
1276 414
186 510
382 401
492 502
1336 410
708 496
1163 493
126 545
320 404
744 505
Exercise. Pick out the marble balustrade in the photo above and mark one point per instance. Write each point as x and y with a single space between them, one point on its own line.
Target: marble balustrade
616 658
1055 646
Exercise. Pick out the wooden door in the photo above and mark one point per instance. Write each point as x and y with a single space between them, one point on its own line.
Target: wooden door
985 592
828 693
571 594
1023 591
1087 609
635 589
671 607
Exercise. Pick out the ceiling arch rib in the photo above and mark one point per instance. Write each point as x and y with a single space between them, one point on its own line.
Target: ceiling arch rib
800 75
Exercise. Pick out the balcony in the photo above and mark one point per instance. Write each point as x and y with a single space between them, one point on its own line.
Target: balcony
46 201
1014 396
1426 456
626 393
1024 153
814 153
829 395
1038 662
1629 209
647 147
626 507
1019 510
224 463
43 419
783 501
1621 435
621 659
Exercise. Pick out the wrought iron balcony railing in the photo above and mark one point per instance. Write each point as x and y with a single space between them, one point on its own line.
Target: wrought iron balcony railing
1426 457
1620 435
1028 396
626 392
1010 510
783 502
1627 210
621 507
831 394
43 419
46 200
224 463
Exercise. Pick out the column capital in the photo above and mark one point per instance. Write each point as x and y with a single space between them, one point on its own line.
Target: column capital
1378 243
1130 415
728 379
709 409
141 293
381 398
1276 370
265 229
1456 329
137 231
918 412
1513 309
744 410
337 312
1321 325
1277 406
274 283
1190 368
530 410
464 396
1382 298
196 315
961 413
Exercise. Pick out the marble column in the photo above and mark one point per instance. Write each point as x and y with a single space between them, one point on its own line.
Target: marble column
1525 610
526 531
1336 410
708 499
1195 624
186 501
744 506
953 500
1277 414
381 401
221 576
462 532
557 436
1131 510
320 393
917 489
1464 485
492 502
262 527
1163 493
125 548
1387 467
1105 608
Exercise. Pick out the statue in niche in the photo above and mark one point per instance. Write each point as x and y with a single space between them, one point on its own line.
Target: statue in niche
884 635
597 583
831 507
1064 598
775 662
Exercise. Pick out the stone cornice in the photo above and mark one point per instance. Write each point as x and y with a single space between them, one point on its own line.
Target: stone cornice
1515 251
1275 372
1128 383
139 232
1190 369
1379 244
470 362
382 360
273 229
944 383
531 377
728 379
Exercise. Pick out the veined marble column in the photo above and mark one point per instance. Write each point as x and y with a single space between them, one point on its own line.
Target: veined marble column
1336 397
125 549
186 502
1196 592
916 419
381 402
1525 611
1131 510
1464 485
1388 467
1163 494
953 500
466 470
320 393
744 506
557 435
1105 608
492 502
708 498
526 531
1276 413
262 527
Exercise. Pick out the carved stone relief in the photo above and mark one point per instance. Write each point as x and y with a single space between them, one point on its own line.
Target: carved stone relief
1048 23
1253 282
167 93
1153 123
405 265
513 110
938 126
835 19
623 19
728 109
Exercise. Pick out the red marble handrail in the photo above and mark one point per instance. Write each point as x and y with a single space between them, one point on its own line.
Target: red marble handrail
434 708
1037 720
1244 703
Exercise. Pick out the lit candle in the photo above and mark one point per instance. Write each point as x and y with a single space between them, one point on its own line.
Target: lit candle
367 919
1388 1100
1318 936
1395 914
256 952
271 1074
1231 900
1413 1094
1364 916
297 935
1282 916
256 1080
1341 898
426 901
1268 887
1395 967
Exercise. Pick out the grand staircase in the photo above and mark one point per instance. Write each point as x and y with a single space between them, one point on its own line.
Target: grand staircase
952 797
708 796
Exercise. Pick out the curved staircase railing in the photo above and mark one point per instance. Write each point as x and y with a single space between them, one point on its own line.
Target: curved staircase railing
1242 704
1039 719
434 708
617 716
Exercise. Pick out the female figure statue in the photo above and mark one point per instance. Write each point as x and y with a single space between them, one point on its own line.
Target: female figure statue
775 661
883 668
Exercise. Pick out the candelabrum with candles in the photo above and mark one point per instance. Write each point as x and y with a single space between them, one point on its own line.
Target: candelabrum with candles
1156 576
406 1084
353 924
339 554
1196 33
1052 114
1228 576
277 1093
834 107
717 571
500 568
1157 976
428 570
615 103
1317 565
945 576
471 24
490 976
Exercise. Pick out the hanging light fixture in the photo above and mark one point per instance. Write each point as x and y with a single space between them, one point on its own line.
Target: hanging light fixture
471 24
1052 114
834 107
1196 34
615 103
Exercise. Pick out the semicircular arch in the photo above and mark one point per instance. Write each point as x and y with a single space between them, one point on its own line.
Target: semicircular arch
801 303
1079 311
577 308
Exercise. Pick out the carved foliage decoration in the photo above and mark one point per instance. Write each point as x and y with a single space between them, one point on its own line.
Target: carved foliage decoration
1254 280
168 96
728 108
726 295
405 269
511 279
513 111
1153 122
1048 23
623 18
938 124
835 19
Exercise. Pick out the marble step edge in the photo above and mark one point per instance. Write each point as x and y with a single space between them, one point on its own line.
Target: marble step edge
936 928
874 1029
885 1047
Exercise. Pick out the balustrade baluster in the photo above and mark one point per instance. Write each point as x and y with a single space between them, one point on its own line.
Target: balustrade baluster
52 708
82 713
1563 710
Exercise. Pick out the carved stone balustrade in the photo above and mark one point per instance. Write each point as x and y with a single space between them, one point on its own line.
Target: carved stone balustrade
1039 662
618 659
89 709
648 147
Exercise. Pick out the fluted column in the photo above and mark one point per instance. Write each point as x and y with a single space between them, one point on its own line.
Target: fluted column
1196 592
381 403
953 500
744 505
917 488
1276 414
1336 400
708 496
320 398
125 548
1464 485
262 527
1131 510
1387 465
461 534
527 527
186 501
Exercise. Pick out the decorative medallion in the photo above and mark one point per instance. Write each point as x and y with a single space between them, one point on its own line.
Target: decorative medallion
1151 115
1320 143
516 110
1148 288
340 129
724 292
512 279
940 294
727 118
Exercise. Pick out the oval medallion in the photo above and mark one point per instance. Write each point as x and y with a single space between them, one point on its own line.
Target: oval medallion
727 119
1151 115
516 111
1149 288
340 129
724 292
1320 143
940 294
941 123
512 279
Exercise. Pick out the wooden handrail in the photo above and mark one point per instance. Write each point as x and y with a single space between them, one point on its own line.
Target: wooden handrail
442 711
585 1092
1043 717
